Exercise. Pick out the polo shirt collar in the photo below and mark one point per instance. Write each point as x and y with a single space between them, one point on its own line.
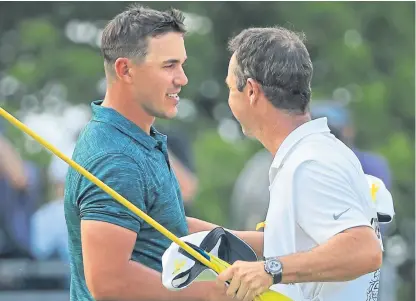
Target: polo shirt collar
315 126
115 119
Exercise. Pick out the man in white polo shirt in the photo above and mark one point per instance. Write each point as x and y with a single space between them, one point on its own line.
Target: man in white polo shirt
321 237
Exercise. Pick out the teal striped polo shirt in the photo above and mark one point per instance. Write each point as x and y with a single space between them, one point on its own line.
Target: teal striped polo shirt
134 164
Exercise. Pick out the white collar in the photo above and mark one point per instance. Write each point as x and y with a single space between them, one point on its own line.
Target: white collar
319 125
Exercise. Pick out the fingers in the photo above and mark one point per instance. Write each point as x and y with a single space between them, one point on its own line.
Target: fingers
242 291
225 275
248 289
250 296
246 281
254 289
234 286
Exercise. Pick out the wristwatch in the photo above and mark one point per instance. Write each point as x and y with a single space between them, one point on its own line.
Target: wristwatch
274 267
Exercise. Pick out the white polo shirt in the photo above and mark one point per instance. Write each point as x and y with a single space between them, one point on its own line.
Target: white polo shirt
317 189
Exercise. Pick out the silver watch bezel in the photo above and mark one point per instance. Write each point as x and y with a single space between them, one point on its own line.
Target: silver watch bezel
271 270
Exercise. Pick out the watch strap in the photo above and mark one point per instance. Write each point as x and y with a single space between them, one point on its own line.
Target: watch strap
277 277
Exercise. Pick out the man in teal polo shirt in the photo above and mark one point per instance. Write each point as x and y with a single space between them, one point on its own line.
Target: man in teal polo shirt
115 255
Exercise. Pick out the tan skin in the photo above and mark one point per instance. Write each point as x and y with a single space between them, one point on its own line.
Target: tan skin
139 92
253 238
346 256
11 165
188 182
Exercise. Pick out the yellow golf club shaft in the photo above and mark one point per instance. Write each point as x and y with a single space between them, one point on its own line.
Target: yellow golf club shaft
106 188
219 264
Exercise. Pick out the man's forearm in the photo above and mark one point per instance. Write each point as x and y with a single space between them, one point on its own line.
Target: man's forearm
344 257
197 225
188 182
137 282
253 238
12 165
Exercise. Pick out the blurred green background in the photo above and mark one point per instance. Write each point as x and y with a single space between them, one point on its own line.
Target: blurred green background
363 54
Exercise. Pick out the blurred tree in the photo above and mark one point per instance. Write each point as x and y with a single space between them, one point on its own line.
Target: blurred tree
363 54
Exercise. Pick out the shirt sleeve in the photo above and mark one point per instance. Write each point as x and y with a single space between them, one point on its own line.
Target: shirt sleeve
122 174
325 202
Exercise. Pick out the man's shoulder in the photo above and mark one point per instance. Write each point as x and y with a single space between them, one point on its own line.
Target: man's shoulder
105 152
110 163
98 136
117 169
323 157
324 148
101 142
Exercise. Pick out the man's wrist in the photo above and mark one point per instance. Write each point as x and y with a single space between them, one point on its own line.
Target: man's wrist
268 276
274 267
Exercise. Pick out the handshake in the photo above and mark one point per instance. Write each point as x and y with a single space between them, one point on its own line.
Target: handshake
236 273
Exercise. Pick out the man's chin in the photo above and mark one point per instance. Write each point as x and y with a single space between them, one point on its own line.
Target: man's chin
247 133
168 114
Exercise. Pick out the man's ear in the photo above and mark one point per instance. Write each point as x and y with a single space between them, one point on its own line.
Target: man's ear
253 91
123 70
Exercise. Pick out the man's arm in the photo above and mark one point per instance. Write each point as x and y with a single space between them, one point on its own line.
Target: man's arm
344 257
187 180
12 165
108 235
112 275
333 211
347 246
252 238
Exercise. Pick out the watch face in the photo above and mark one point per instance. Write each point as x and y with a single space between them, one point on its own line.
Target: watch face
274 266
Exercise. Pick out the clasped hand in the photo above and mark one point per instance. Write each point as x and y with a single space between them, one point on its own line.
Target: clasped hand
247 280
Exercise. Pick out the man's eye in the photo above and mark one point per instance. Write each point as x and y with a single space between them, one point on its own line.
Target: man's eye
169 66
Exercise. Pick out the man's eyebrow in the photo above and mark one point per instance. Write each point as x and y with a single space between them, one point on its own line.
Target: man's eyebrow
173 61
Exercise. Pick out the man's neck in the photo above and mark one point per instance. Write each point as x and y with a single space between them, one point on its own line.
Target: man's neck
276 127
129 109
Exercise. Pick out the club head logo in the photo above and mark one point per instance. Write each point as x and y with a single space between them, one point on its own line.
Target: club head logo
374 189
178 264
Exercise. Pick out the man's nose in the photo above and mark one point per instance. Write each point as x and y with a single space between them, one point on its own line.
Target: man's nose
181 79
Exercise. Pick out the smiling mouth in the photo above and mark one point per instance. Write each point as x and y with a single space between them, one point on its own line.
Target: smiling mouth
173 96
